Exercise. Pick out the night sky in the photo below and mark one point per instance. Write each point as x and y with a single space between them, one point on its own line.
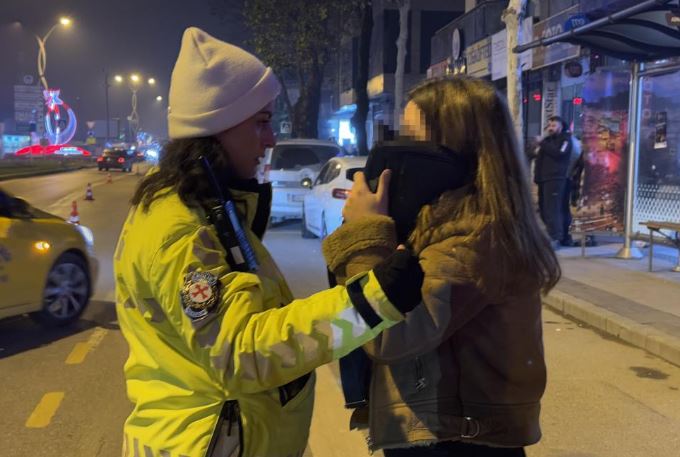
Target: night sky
120 36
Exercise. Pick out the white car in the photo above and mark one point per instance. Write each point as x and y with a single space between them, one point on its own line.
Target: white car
286 165
322 210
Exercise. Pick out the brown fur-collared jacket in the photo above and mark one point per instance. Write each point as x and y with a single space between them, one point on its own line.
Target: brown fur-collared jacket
467 364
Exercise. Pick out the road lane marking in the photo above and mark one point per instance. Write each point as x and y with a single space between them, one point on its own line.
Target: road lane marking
43 413
81 350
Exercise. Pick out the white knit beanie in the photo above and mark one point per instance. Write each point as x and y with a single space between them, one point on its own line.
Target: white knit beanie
215 86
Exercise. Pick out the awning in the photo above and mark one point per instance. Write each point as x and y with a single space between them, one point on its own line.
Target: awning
649 30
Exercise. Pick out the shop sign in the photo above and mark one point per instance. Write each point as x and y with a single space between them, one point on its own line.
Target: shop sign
478 58
551 101
557 52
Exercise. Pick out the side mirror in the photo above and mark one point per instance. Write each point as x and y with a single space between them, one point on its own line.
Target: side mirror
351 172
306 183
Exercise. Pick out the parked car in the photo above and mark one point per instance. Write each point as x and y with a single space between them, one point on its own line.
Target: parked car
286 165
47 266
322 209
120 158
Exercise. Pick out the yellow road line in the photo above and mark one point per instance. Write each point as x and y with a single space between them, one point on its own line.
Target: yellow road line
81 350
43 413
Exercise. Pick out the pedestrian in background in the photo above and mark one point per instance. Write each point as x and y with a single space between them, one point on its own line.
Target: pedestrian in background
221 360
463 375
551 174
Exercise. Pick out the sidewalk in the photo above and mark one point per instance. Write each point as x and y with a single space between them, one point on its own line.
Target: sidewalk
621 298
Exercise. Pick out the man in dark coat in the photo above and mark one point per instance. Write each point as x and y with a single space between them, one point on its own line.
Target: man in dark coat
551 174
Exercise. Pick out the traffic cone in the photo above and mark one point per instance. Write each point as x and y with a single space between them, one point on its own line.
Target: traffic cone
108 179
75 217
88 192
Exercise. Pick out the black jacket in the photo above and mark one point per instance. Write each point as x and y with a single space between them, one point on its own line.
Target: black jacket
553 158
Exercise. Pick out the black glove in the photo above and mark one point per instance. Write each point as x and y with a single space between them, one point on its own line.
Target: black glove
401 278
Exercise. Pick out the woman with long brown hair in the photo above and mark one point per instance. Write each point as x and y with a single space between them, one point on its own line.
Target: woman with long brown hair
463 375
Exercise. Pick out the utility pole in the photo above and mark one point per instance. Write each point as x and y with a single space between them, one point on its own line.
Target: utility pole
402 41
106 92
513 17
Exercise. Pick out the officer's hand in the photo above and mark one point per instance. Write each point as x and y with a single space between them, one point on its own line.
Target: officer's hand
401 278
362 202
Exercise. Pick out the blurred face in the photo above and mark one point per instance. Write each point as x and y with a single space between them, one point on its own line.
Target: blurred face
554 128
245 143
413 123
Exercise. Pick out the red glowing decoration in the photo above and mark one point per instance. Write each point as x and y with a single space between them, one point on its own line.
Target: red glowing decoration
537 97
53 149
577 101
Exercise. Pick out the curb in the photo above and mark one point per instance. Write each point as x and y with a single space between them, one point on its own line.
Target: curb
640 335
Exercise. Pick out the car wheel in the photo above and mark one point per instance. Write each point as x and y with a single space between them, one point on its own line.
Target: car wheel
66 293
304 232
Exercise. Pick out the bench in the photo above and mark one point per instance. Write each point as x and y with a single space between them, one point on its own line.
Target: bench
658 226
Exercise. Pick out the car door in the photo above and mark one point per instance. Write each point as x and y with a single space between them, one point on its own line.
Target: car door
314 199
19 271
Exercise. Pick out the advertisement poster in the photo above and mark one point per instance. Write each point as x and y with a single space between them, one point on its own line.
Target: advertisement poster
605 138
660 141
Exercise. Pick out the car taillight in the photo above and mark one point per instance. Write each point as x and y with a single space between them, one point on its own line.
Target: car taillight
100 159
342 194
121 160
267 169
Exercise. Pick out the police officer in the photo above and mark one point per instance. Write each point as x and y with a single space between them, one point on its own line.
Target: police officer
222 358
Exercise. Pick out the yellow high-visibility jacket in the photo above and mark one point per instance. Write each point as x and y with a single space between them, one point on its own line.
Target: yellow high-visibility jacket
189 354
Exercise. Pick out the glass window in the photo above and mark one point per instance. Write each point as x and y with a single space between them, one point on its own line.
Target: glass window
322 173
658 183
333 172
296 157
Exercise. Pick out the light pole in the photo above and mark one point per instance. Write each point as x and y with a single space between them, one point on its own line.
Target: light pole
42 53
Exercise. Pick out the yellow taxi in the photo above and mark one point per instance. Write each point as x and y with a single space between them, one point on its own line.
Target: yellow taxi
47 266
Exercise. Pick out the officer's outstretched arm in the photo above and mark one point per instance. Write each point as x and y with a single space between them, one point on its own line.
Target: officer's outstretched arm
229 331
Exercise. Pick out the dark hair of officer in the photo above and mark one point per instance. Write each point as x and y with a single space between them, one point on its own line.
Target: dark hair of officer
179 169
468 115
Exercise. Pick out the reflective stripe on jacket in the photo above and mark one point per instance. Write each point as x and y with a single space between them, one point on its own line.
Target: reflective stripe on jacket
180 370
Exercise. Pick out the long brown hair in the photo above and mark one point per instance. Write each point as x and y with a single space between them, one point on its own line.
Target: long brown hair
468 115
179 170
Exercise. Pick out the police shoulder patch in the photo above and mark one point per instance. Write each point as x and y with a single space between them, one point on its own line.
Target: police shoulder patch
199 294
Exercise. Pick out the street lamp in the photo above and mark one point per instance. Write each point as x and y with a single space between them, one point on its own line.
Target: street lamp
159 98
134 83
42 53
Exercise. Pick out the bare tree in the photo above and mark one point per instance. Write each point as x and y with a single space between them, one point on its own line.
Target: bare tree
365 16
402 41
513 17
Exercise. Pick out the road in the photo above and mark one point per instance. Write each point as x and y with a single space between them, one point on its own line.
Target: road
63 390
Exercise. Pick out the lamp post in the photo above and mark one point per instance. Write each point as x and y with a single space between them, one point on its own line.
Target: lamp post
42 53
135 81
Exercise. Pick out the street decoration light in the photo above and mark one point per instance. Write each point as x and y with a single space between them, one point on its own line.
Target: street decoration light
58 131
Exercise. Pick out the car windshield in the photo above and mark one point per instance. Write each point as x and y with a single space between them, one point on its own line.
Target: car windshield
295 156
